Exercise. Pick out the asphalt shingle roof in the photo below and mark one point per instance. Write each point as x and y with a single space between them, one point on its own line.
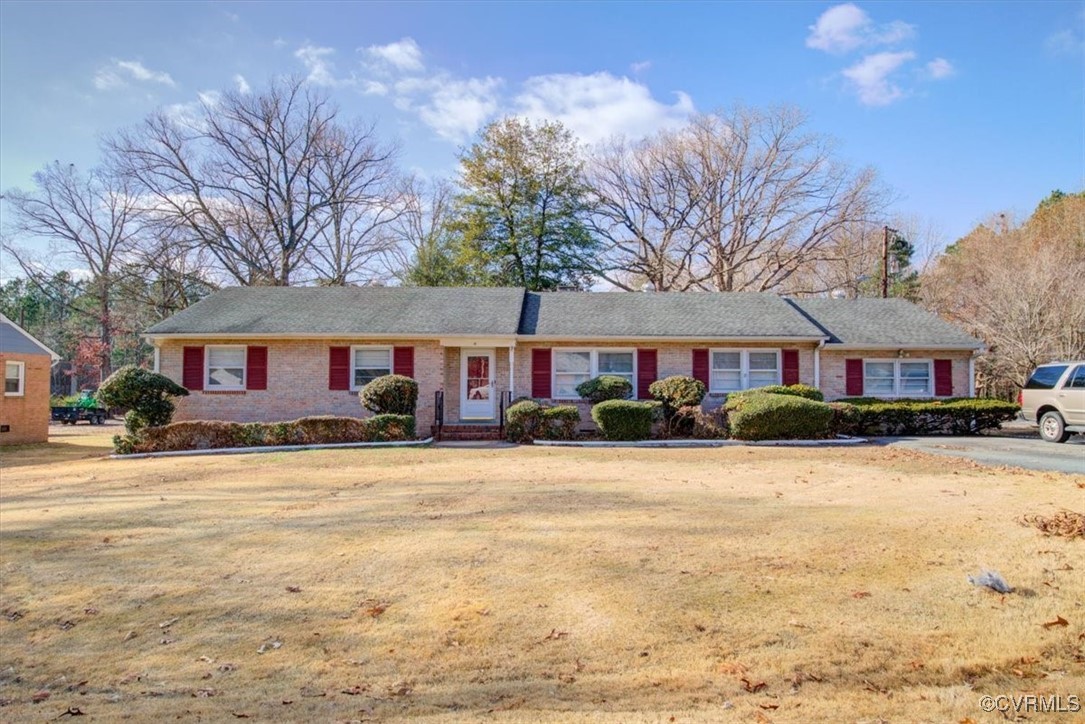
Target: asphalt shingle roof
882 323
13 340
351 311
662 314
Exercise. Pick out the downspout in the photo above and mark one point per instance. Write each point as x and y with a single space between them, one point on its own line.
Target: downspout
512 372
817 362
972 373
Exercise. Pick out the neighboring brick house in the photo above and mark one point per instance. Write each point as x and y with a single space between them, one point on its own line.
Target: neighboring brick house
24 406
277 353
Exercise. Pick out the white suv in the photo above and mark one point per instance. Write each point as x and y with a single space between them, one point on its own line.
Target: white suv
1054 396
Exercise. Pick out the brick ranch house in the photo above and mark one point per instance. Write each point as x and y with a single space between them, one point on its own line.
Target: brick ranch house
24 406
279 353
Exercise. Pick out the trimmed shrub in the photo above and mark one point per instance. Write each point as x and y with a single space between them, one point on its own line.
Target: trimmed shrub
146 395
953 416
605 387
521 421
845 419
806 391
702 425
560 422
766 416
624 419
527 421
390 395
317 430
678 391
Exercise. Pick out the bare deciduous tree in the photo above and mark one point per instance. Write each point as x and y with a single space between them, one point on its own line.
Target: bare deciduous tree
733 201
255 178
91 222
1019 289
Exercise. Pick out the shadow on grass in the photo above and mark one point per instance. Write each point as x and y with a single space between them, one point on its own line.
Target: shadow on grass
47 453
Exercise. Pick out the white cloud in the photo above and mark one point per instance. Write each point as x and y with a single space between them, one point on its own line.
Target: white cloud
846 27
374 88
640 66
192 114
243 86
870 77
453 108
1065 42
598 106
940 68
119 72
402 55
316 61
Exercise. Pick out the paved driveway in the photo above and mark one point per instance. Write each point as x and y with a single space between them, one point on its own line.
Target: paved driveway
1011 449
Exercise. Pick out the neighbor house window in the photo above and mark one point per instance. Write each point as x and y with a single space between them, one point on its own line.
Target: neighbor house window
14 378
897 378
225 368
369 364
742 369
573 366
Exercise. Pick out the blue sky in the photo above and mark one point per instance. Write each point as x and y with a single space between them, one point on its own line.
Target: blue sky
965 109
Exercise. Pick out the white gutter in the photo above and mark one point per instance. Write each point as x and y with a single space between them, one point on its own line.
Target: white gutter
893 347
512 372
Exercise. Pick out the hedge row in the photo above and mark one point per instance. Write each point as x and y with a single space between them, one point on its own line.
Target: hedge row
214 434
527 420
954 416
774 416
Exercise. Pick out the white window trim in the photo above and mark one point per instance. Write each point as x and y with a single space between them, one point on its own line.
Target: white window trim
744 371
207 368
22 379
593 371
371 348
896 377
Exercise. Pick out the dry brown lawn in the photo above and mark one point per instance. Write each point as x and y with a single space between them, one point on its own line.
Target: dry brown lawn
530 584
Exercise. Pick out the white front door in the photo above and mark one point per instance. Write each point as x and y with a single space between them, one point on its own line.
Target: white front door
477 384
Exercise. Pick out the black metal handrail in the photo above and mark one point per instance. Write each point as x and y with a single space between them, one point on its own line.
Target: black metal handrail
439 412
506 401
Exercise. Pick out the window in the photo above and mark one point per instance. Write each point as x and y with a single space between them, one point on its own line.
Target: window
14 378
369 364
1045 378
741 369
573 366
225 368
1077 380
896 378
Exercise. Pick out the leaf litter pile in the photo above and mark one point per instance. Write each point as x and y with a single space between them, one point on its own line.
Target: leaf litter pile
1065 524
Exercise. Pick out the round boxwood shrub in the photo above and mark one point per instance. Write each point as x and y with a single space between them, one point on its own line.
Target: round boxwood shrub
148 396
560 422
624 419
766 416
521 420
390 395
678 391
605 387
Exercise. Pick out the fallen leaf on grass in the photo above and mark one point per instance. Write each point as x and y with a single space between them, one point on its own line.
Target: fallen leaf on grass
355 690
226 668
67 625
241 714
400 688
269 645
769 707
40 696
861 594
1059 621
294 589
373 607
167 624
130 635
751 687
554 635
71 711
90 611
204 693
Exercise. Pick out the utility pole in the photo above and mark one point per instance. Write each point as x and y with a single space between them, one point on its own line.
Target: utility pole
885 260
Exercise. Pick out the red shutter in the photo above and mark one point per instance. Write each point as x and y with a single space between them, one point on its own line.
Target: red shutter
192 368
700 366
791 367
256 368
540 373
647 371
853 377
943 377
403 361
339 368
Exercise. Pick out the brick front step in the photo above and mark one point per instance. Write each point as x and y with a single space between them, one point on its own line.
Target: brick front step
468 432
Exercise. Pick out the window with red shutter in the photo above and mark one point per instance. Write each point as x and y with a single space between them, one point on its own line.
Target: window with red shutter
339 368
647 372
403 361
256 368
700 366
790 367
853 377
540 373
192 368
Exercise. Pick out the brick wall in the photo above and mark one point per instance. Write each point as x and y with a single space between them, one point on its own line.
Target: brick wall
672 359
27 416
297 384
833 383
